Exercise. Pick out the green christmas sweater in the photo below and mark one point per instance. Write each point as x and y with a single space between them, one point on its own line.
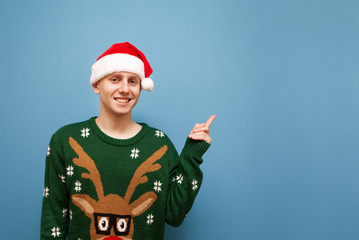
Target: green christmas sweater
99 187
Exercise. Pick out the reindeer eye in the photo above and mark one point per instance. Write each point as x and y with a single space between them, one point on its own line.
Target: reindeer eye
121 225
103 224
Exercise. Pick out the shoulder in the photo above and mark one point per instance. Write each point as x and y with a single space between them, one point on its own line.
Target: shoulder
79 128
155 132
158 135
156 138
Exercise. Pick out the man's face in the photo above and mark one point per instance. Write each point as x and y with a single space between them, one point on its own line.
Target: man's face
119 92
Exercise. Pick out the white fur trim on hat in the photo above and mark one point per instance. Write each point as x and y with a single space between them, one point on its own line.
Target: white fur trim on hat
147 84
116 63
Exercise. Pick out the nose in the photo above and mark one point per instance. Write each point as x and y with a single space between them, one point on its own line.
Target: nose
123 86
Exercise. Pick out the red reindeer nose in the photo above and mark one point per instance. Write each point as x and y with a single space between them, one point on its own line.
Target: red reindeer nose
112 238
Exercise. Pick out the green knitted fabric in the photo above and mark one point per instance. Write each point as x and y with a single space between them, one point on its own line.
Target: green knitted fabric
97 186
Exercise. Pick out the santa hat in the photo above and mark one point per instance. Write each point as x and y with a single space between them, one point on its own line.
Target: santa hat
123 57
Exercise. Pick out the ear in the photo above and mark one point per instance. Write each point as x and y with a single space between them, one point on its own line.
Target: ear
143 203
85 203
95 87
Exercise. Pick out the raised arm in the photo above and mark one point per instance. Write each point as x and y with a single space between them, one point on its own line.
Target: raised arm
186 175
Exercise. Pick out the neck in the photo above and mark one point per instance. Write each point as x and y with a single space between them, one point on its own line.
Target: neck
120 127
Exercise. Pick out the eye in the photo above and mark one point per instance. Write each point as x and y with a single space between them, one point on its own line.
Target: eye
103 224
133 81
114 79
121 225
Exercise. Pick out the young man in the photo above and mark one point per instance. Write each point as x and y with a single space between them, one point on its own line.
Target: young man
112 178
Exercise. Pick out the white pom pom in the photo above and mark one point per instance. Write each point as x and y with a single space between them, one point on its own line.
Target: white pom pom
147 84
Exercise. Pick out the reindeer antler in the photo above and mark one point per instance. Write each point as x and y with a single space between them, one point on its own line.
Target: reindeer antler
86 162
147 166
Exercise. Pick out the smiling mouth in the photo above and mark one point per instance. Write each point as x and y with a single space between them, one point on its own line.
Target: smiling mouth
122 100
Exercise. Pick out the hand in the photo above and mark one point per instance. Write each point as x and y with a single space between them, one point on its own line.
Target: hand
201 130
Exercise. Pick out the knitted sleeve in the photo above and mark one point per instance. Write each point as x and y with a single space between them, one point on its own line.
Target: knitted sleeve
185 181
54 218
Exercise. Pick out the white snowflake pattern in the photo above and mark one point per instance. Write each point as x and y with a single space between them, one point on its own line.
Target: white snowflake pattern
134 153
194 185
55 231
149 219
70 215
179 178
77 186
62 178
48 151
70 170
46 192
159 133
85 132
64 212
157 186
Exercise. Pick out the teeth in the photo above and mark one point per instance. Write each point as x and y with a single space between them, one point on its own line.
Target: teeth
122 100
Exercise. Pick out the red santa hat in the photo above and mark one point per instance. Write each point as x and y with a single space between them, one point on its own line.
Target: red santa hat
123 57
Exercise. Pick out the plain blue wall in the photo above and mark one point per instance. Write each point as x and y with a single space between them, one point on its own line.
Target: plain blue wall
282 77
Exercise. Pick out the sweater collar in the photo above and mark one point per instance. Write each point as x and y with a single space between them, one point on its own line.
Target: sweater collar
116 141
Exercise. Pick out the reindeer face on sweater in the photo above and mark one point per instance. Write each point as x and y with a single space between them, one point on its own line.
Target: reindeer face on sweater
112 216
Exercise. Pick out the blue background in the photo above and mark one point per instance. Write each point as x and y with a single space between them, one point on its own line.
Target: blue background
282 77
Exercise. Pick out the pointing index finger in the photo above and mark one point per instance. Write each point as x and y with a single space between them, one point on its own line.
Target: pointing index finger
210 120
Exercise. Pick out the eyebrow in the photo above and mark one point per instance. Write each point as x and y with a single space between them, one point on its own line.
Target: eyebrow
115 75
134 77
119 75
